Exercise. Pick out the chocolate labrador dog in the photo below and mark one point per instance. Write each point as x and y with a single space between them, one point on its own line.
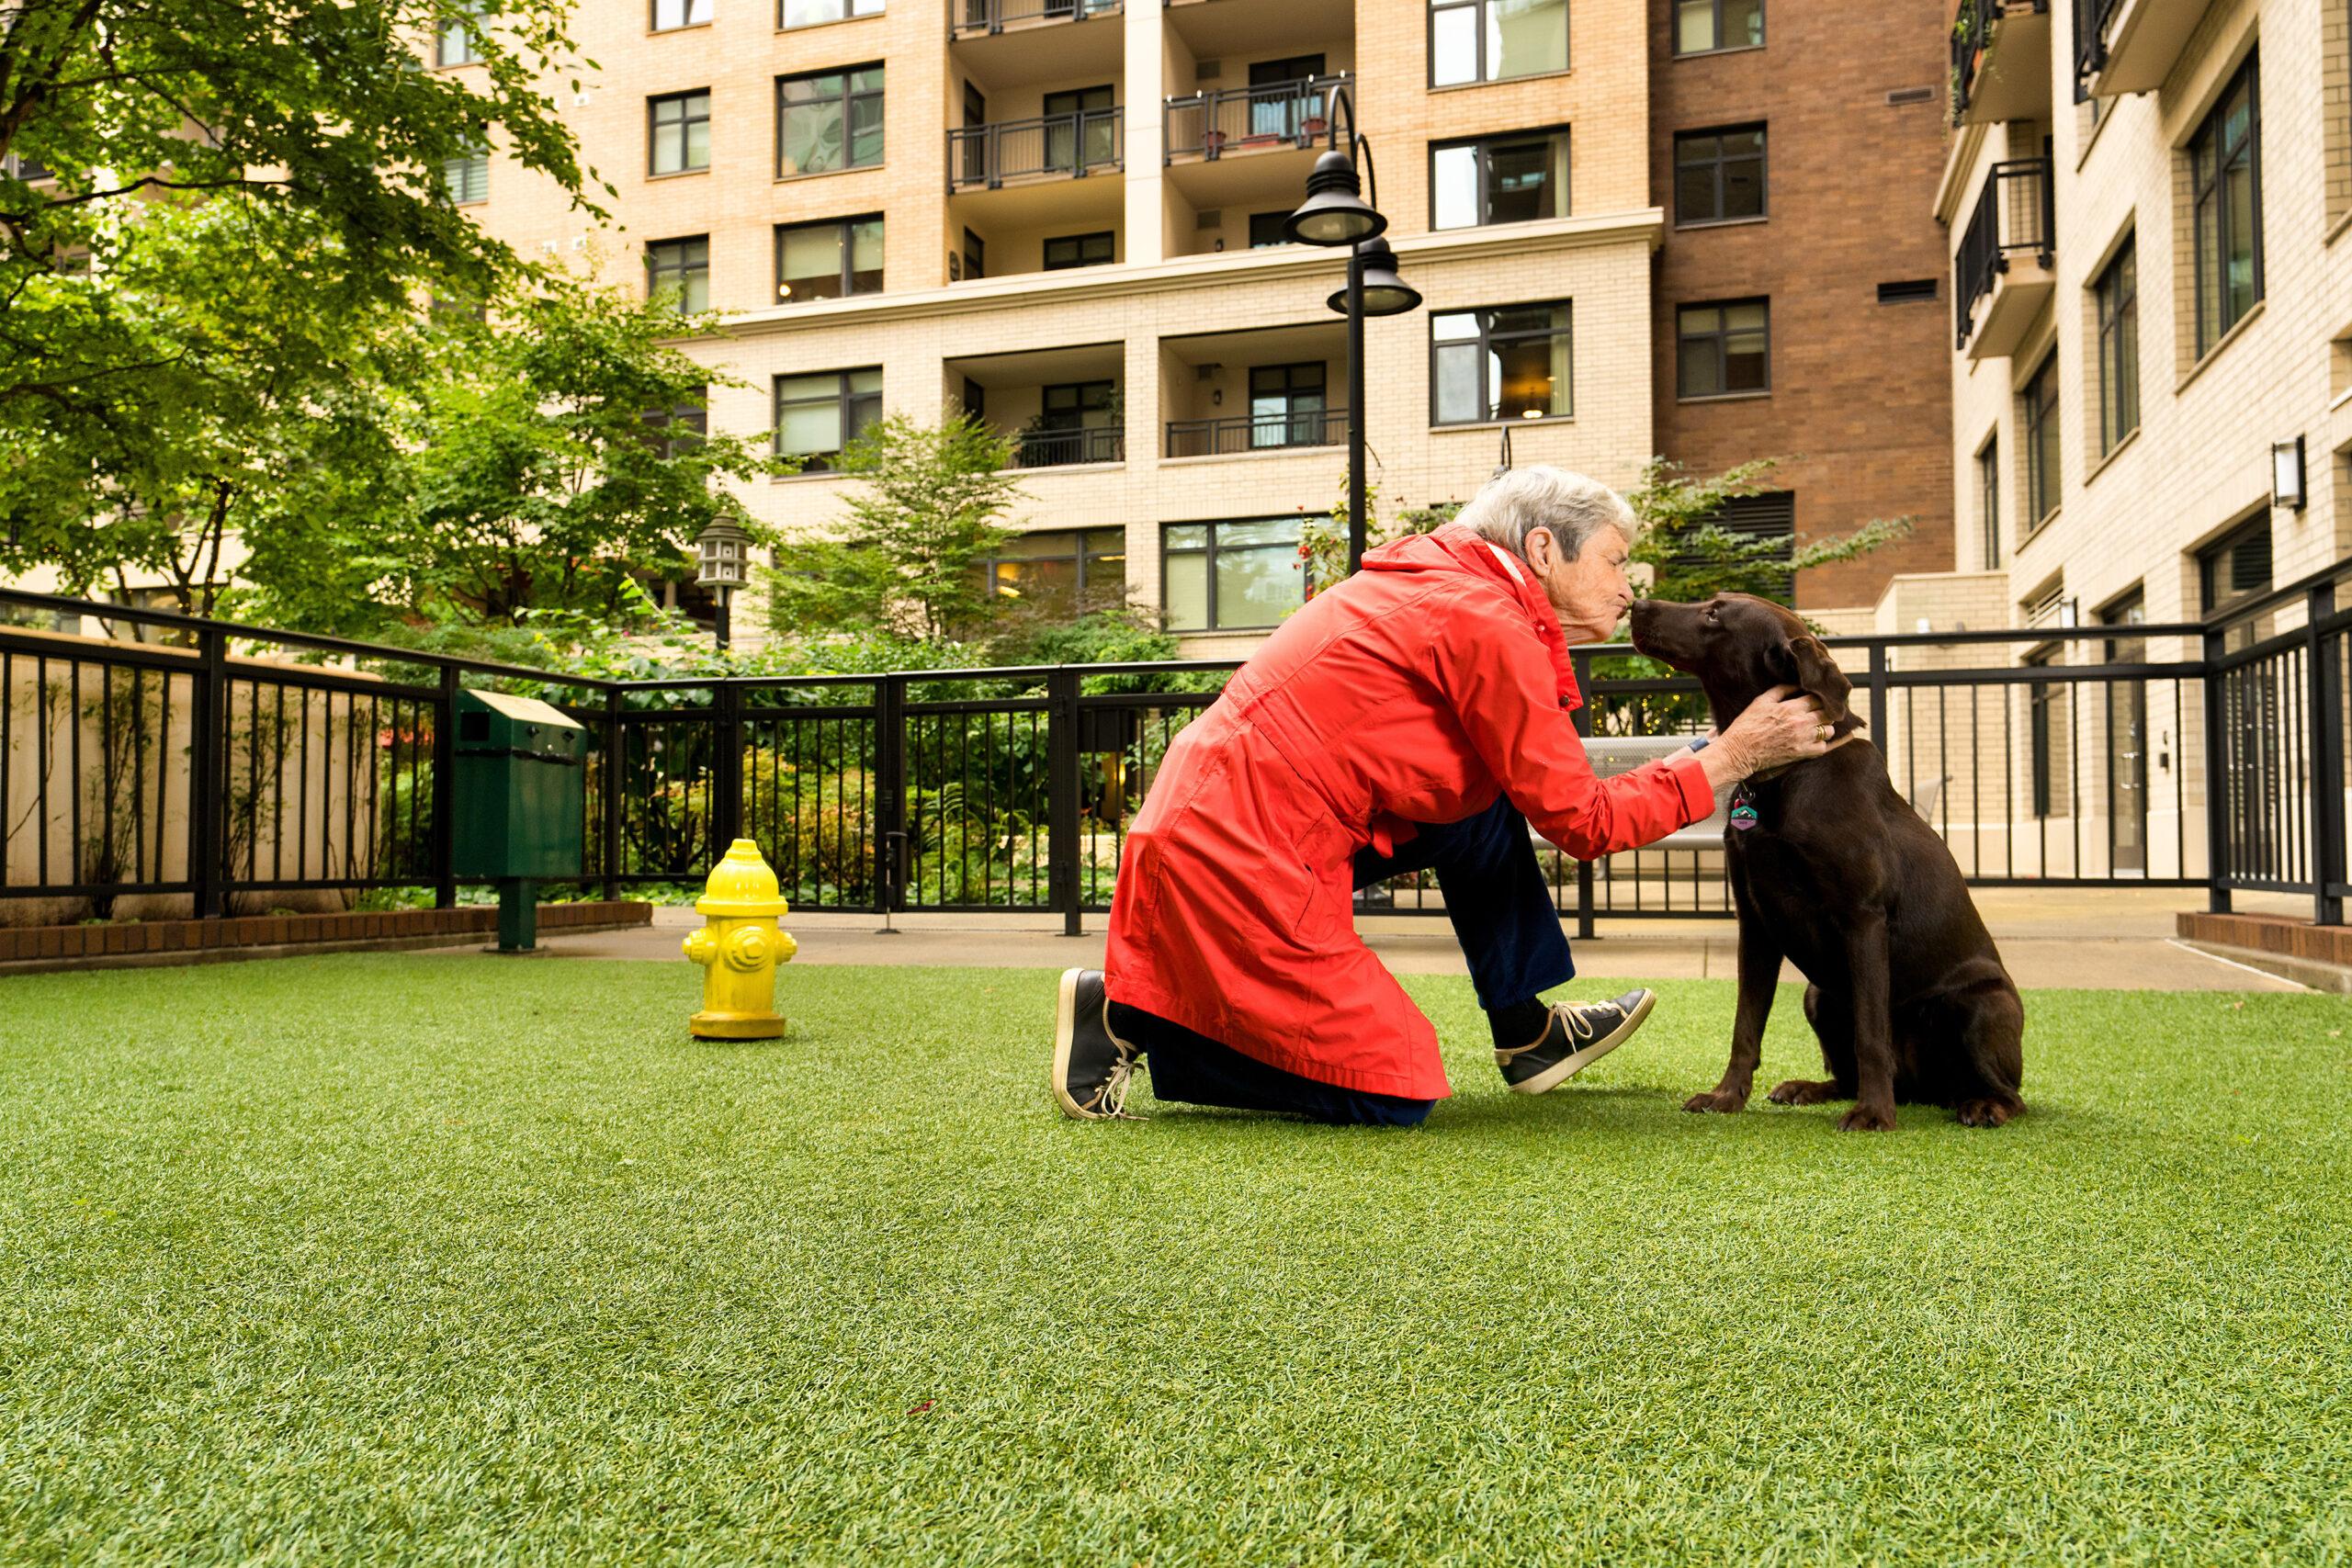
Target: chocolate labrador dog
1831 869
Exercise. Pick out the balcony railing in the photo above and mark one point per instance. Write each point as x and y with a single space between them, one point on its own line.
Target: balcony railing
1062 448
970 18
1251 120
1256 432
1973 34
2015 213
2091 20
1065 146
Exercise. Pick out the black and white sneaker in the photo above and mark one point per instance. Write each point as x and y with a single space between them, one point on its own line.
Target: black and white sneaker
1091 1065
1573 1039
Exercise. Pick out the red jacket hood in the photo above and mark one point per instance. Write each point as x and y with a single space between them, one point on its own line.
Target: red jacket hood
1457 549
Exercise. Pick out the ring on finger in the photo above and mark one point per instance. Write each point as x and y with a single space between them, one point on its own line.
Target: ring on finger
1823 731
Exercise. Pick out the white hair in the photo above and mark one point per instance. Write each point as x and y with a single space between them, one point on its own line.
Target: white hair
1572 506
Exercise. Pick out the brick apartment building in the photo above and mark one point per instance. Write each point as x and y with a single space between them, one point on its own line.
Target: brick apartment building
1782 142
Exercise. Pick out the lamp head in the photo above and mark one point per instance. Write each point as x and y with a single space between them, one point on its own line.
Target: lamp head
1334 212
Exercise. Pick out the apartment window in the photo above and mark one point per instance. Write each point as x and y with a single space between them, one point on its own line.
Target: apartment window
2234 568
1770 518
1077 421
1081 133
976 255
831 120
809 13
1509 362
1719 175
1989 501
26 169
1287 404
1509 179
1060 573
671 15
2042 443
1702 27
1490 41
1266 228
2117 293
678 133
467 177
2046 731
1723 349
1240 576
1067 251
2225 183
675 430
828 260
454 43
817 414
680 265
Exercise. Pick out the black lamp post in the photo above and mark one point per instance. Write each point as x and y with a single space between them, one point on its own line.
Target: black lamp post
1335 213
722 553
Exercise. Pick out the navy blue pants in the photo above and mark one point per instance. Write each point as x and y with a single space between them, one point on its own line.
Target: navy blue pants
1502 913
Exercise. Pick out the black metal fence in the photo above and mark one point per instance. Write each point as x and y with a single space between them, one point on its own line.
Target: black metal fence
969 18
1256 432
1062 448
1261 118
232 766
2014 214
1973 30
1068 146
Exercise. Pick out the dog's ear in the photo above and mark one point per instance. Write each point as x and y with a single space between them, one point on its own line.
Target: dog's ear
1819 678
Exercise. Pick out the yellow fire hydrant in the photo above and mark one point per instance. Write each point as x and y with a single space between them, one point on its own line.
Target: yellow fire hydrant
740 949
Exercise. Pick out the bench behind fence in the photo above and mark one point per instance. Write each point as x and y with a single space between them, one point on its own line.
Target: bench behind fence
210 763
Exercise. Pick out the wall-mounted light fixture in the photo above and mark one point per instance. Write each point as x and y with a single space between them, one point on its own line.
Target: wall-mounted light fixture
2287 487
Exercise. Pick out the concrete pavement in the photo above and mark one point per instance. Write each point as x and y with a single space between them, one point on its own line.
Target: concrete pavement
2095 939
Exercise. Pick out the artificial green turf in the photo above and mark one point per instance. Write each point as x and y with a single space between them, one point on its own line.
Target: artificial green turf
444 1258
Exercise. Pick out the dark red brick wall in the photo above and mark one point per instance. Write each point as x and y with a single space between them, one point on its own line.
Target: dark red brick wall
50 943
1861 390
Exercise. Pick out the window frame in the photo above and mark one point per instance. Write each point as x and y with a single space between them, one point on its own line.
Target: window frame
845 401
1209 551
1722 338
1479 76
1674 33
1279 216
654 125
482 156
2116 313
2040 697
1988 500
848 247
685 9
1483 194
461 19
1486 340
2212 557
846 105
1083 557
655 272
2044 469
1763 173
1110 237
2248 76
851 11
683 424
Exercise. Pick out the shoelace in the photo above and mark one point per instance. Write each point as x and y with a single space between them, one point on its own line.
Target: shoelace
1111 1099
1579 1026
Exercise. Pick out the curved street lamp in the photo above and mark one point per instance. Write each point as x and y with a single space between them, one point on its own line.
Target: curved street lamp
1335 213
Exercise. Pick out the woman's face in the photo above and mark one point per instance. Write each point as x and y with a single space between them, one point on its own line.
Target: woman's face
1590 593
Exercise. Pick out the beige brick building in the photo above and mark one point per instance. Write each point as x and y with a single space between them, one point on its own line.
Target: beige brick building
2147 202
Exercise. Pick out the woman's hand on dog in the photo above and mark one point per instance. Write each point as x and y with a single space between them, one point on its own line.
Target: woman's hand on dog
1782 726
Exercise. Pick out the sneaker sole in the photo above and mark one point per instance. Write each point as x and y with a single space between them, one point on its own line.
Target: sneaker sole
1065 1031
1570 1065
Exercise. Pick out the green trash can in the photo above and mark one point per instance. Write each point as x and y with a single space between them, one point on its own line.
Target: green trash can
521 796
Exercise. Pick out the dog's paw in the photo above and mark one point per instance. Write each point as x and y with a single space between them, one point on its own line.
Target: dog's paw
1722 1100
1867 1119
1988 1112
1803 1091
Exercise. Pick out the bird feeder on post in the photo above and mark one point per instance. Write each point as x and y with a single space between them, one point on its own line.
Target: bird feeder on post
723 564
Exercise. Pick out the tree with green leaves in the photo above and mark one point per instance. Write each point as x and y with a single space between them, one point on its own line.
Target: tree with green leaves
933 506
1691 555
544 473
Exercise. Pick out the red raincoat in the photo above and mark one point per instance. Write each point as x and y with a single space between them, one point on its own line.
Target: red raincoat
1413 691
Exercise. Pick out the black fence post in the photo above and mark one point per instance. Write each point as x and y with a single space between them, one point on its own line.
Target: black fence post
444 792
207 773
1878 696
2324 677
727 767
1062 844
889 792
609 828
2217 798
1581 662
